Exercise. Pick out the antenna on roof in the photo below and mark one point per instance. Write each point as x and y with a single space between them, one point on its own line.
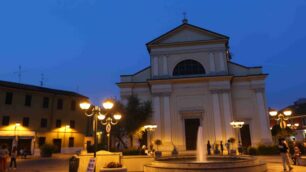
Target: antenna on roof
77 88
185 20
19 73
42 80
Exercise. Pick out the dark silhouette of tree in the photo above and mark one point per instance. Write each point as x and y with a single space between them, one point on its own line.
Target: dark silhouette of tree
134 116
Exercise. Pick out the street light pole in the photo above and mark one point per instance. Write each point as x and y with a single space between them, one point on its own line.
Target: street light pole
66 127
150 129
106 118
281 116
237 125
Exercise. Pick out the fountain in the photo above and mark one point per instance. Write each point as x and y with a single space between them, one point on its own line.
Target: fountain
203 163
201 155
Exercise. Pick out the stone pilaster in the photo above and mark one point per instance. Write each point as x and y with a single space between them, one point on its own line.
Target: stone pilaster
165 66
155 66
217 115
167 119
228 114
156 116
212 62
263 116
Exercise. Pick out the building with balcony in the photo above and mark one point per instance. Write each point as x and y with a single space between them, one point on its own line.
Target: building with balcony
33 116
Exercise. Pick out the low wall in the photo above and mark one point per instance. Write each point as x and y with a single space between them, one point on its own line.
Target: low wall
136 163
102 159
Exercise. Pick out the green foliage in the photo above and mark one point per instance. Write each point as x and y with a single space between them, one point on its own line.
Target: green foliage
252 151
157 142
113 165
135 114
232 140
267 150
46 150
131 151
279 132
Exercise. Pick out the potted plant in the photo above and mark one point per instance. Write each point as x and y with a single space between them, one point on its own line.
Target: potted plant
158 153
47 150
216 149
232 140
113 167
174 151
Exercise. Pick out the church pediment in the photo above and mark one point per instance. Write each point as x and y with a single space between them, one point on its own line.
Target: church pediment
186 33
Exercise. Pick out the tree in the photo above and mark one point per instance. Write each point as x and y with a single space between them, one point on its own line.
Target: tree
278 132
135 115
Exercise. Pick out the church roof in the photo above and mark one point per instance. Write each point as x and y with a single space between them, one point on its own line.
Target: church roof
192 32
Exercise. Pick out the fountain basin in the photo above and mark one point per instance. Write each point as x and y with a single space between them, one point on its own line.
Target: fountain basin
213 164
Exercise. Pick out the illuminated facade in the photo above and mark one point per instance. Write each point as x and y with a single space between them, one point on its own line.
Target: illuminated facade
37 115
193 81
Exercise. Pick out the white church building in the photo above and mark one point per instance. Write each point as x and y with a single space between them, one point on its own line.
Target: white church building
191 82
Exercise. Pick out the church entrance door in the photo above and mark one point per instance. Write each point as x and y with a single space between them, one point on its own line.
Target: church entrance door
191 132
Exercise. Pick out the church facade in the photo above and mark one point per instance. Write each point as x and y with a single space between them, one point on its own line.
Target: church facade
192 81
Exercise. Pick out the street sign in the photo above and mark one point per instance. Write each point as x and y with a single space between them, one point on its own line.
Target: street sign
91 165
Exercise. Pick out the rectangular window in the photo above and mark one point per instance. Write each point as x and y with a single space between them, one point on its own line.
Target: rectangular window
25 121
43 123
41 141
28 100
59 103
72 124
5 120
58 123
304 121
8 98
71 141
73 105
45 102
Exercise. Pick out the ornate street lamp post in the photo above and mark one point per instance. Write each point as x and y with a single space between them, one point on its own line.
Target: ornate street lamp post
108 119
150 129
15 129
15 141
282 116
66 128
293 126
104 115
237 125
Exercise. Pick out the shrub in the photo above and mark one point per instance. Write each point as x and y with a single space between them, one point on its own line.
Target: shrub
113 165
157 142
46 150
252 151
267 150
232 140
131 151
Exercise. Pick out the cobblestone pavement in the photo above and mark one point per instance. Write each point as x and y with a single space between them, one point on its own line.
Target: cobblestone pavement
59 163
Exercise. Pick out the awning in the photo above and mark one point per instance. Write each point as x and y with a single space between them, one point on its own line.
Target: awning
6 133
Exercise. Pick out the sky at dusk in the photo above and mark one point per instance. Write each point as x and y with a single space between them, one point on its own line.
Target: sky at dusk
85 45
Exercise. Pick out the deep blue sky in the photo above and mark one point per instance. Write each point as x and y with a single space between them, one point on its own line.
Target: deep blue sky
84 45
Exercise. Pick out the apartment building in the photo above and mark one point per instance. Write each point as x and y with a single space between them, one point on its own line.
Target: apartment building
32 116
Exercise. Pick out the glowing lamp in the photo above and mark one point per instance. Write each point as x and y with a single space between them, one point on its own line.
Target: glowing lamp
117 116
108 104
84 105
101 117
287 112
273 113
